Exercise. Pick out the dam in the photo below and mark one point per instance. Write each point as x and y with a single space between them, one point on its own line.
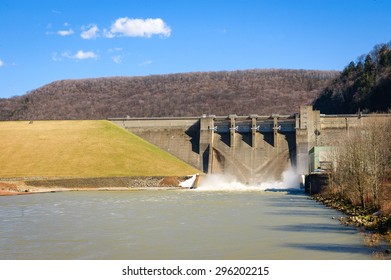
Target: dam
252 148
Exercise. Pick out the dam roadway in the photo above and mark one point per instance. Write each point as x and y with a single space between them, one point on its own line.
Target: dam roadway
252 148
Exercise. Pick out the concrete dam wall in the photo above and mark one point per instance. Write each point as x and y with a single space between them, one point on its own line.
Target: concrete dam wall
252 148
177 136
249 148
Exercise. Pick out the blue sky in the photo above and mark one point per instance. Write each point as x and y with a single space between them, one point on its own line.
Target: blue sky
44 41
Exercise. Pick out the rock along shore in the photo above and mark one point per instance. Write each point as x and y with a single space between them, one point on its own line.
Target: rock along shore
376 224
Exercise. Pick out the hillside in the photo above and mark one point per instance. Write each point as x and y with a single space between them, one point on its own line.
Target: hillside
364 85
189 94
80 149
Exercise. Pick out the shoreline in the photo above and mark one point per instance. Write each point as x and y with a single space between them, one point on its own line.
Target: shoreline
375 226
55 190
11 187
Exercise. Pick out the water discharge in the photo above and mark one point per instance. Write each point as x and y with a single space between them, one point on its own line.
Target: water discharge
219 182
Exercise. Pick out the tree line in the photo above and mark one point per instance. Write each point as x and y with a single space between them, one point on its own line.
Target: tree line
260 92
364 85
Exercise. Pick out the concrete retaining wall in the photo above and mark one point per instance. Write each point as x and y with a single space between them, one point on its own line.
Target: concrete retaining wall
316 183
179 137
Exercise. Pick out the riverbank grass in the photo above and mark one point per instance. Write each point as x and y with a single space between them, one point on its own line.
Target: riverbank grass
80 149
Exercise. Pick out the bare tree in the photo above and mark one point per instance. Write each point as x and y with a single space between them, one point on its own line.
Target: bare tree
379 156
361 163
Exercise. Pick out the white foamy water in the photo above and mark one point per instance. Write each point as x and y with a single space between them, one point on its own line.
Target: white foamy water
189 183
290 180
219 182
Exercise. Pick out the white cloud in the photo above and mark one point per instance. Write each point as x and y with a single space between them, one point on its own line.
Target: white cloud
107 34
138 28
90 33
79 55
56 57
117 59
1 63
65 32
85 55
115 50
145 63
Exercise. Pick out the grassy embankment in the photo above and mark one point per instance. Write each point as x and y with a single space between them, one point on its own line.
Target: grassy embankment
80 149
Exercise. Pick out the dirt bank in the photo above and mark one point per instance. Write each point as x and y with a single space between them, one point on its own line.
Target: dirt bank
39 185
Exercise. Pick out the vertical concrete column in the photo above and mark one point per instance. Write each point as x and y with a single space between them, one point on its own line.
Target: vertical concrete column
302 151
310 121
253 130
206 143
303 138
232 130
297 120
275 129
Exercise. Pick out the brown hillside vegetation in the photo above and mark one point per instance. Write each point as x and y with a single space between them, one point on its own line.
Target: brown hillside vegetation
190 94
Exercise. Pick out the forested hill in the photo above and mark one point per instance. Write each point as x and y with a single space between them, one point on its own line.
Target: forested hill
364 85
189 94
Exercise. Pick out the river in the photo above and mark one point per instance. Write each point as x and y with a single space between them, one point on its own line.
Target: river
174 224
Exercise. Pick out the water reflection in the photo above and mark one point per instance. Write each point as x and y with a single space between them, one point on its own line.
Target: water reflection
317 227
333 248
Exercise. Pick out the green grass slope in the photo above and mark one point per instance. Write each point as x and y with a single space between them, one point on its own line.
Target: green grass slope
80 149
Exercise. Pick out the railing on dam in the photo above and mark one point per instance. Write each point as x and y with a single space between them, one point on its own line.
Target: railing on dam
250 126
247 128
222 124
